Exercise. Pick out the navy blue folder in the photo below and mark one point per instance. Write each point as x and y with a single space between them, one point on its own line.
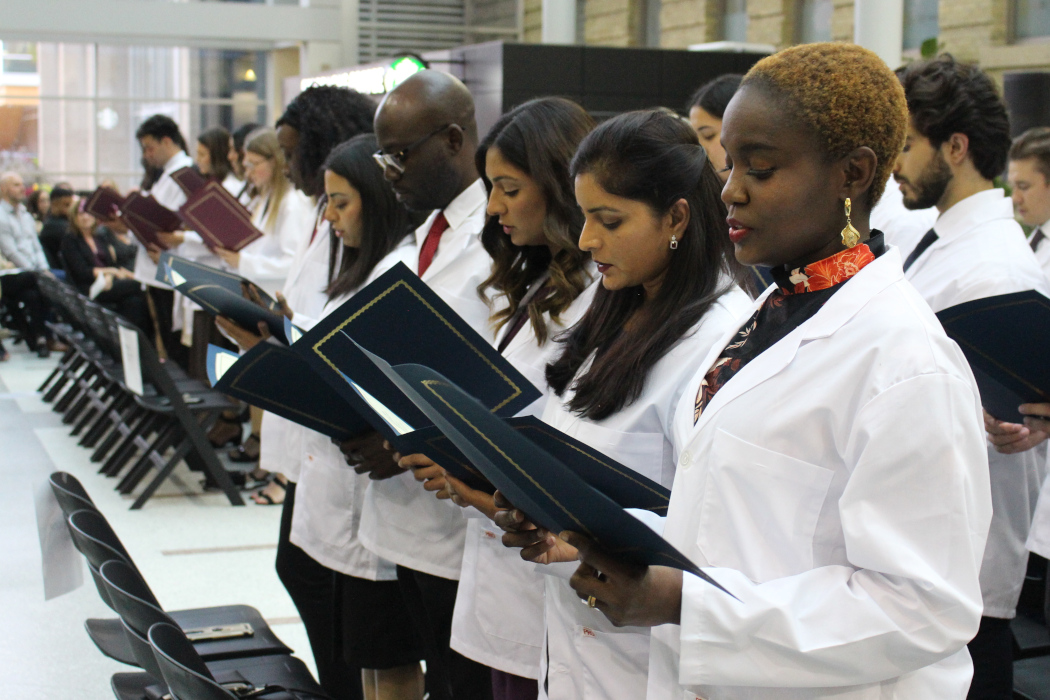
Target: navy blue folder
220 301
173 271
550 493
278 380
400 319
1005 339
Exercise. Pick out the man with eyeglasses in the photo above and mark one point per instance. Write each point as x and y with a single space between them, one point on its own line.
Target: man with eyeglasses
427 134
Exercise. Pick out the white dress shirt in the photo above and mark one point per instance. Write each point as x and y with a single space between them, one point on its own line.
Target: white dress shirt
168 194
329 494
498 620
981 252
267 260
401 521
901 227
19 241
587 657
837 485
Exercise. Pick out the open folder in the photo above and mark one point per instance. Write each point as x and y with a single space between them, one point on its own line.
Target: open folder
547 491
277 380
146 217
399 318
1004 339
219 218
104 204
173 271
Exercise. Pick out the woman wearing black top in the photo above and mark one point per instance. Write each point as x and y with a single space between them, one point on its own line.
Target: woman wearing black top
87 256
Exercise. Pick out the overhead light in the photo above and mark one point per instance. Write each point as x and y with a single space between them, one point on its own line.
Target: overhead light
249 75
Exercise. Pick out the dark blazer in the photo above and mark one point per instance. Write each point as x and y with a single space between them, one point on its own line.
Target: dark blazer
80 260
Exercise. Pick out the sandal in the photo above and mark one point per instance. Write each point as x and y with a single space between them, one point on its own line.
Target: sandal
262 498
252 481
225 432
247 452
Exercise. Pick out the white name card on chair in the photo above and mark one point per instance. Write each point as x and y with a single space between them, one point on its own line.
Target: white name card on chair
129 357
60 561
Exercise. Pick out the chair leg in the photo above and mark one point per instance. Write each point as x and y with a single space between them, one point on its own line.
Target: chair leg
163 473
151 457
126 448
122 422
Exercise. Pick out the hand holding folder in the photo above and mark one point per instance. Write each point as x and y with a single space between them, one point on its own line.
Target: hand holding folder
173 271
146 217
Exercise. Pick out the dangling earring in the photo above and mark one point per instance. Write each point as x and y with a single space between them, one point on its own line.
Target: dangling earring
674 242
850 235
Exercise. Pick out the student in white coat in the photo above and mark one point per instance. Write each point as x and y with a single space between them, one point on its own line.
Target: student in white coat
315 122
653 225
541 285
1029 176
279 210
212 158
958 140
831 468
427 135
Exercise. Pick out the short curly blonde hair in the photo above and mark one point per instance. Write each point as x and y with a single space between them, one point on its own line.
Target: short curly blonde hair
846 94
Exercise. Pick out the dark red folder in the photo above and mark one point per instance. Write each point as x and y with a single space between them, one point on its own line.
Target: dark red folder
146 218
189 179
104 204
219 218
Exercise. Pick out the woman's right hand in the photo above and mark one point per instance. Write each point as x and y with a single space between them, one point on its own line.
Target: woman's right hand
243 337
465 497
537 544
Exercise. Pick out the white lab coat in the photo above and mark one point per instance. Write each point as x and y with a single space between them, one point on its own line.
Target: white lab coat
1042 251
498 620
838 487
267 260
901 227
233 184
587 657
167 193
329 493
281 448
401 521
982 252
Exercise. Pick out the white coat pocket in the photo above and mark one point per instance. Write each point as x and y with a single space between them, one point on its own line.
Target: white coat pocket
615 664
760 509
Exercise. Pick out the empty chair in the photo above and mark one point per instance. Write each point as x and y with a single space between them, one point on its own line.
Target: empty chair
189 678
70 493
99 544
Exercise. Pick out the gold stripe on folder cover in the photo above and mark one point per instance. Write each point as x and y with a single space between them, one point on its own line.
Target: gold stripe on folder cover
516 390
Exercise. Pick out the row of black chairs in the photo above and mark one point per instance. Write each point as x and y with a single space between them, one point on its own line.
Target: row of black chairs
129 433
201 654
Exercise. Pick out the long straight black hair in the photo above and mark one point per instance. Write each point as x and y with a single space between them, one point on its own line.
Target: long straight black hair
654 158
385 222
539 138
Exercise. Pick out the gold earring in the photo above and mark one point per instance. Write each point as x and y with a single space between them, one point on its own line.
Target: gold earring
850 235
674 242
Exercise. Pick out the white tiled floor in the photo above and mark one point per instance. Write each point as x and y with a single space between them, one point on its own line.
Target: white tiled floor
44 652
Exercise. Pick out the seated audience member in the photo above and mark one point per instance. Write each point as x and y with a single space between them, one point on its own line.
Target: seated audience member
19 242
116 234
831 467
91 268
38 202
957 142
1029 178
706 109
56 225
212 158
19 291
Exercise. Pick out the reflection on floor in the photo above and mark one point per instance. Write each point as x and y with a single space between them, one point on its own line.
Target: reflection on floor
194 549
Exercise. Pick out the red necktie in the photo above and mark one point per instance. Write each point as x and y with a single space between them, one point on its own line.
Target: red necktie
430 243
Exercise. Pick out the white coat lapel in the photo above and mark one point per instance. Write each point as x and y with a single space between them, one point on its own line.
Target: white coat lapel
841 307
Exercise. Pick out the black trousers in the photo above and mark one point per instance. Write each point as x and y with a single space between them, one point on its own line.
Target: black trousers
127 299
992 651
430 601
26 304
164 304
315 591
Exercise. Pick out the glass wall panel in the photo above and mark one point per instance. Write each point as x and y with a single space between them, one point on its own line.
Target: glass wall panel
921 22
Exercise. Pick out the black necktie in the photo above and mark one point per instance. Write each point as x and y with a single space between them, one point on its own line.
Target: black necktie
926 242
1037 238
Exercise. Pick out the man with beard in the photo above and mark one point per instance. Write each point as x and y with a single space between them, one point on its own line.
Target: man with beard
957 142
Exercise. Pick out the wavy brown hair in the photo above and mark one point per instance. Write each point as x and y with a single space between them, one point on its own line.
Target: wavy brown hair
654 158
539 138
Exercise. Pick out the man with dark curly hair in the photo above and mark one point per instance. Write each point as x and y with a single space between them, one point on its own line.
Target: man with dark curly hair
958 140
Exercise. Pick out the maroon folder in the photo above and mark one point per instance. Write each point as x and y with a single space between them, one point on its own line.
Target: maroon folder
104 204
189 179
219 218
146 218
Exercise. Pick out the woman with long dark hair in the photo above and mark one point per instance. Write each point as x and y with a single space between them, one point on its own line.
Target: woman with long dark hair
540 284
212 158
654 226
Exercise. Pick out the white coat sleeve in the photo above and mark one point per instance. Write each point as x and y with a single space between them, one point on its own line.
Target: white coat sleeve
274 261
915 515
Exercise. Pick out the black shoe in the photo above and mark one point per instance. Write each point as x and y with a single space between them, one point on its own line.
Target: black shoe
42 351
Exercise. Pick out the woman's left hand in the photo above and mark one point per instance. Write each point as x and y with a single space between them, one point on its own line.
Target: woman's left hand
464 497
243 337
427 472
630 596
229 257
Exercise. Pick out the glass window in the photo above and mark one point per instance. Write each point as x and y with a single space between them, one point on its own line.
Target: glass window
651 36
734 20
920 22
814 21
1031 19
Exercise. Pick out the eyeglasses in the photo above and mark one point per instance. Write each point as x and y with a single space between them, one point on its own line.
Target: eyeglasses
396 161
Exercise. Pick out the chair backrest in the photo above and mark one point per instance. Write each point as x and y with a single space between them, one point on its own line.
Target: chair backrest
184 672
142 651
132 599
88 529
70 493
